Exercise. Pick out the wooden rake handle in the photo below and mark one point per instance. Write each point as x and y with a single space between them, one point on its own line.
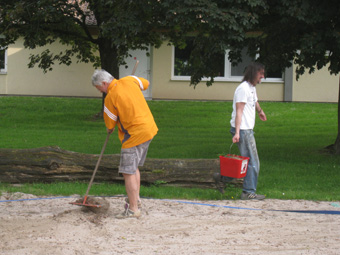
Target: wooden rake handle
135 67
97 165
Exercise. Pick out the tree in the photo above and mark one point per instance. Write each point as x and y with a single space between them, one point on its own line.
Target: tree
113 27
88 27
303 32
215 27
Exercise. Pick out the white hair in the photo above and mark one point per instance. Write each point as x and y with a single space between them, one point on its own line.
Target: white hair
101 75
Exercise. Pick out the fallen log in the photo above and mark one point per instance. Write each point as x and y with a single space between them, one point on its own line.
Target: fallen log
53 164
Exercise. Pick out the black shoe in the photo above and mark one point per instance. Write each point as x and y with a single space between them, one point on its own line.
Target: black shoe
220 185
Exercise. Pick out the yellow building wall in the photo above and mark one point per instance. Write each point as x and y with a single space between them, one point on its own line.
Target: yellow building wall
319 86
3 82
73 80
165 88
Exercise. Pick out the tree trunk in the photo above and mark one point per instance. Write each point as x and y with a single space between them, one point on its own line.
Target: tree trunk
109 62
335 148
109 57
51 164
337 141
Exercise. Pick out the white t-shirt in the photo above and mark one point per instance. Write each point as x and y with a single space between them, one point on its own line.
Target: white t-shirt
245 93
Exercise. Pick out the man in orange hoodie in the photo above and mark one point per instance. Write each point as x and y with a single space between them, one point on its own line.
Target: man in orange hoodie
126 107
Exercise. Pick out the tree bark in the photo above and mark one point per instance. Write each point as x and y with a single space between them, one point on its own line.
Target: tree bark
109 57
109 62
337 141
335 147
51 164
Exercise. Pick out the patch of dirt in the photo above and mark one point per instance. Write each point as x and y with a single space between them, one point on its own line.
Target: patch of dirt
54 226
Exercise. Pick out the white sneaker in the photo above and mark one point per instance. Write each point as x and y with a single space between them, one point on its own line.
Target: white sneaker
251 196
129 214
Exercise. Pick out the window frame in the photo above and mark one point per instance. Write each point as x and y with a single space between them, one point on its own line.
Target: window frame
4 70
227 72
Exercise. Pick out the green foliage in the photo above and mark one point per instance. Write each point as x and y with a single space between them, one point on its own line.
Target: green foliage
217 26
114 27
306 32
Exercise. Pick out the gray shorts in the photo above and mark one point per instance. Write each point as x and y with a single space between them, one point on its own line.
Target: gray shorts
132 158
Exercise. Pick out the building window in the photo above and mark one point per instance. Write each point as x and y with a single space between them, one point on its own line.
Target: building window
3 60
238 71
181 57
227 72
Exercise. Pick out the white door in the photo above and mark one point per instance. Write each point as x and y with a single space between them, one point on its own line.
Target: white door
143 69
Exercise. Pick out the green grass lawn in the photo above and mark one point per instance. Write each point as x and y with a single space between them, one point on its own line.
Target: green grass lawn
289 143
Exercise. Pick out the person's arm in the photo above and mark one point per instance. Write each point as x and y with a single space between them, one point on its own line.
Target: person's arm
238 119
110 131
260 111
141 82
110 115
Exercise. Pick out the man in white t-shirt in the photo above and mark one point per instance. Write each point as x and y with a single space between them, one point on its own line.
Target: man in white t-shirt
245 106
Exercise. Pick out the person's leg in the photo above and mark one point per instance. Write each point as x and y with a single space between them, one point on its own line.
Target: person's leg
131 158
139 201
132 190
141 151
247 148
138 183
129 168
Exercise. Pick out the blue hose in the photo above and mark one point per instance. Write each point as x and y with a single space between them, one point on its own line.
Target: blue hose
242 208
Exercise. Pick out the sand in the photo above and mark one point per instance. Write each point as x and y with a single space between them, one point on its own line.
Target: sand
53 226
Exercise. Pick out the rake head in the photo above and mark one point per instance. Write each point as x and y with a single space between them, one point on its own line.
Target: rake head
85 202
